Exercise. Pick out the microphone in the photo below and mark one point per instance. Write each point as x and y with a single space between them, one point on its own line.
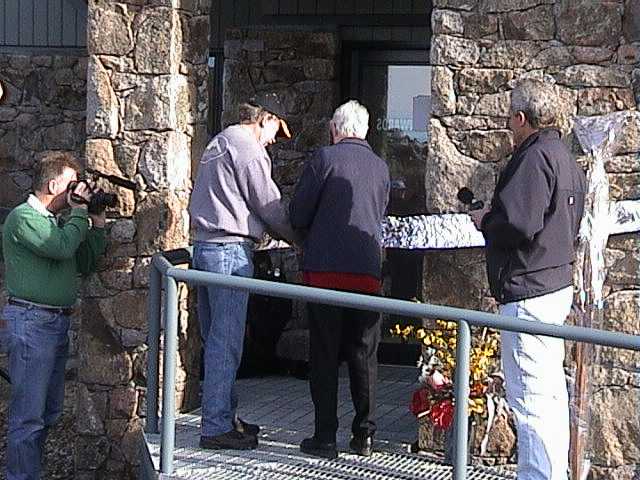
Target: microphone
466 196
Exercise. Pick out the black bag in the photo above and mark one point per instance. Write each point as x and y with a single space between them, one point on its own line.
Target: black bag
266 319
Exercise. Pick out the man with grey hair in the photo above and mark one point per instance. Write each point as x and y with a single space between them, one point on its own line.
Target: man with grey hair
530 230
339 203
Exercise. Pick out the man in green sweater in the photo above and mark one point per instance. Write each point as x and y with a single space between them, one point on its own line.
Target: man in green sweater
43 260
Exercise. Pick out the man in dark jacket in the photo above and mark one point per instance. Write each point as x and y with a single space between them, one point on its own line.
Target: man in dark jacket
530 230
340 201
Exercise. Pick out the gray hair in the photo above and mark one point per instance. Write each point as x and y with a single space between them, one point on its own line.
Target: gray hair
351 120
537 100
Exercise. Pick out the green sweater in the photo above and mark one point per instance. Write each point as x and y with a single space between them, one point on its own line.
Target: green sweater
42 260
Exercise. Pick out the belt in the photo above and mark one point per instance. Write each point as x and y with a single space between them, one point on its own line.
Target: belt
18 302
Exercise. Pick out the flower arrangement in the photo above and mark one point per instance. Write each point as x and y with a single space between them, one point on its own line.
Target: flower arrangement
435 399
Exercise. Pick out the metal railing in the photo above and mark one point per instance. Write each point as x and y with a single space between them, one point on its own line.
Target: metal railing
164 276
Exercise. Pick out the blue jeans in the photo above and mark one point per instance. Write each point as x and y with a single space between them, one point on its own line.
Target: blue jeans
222 313
38 346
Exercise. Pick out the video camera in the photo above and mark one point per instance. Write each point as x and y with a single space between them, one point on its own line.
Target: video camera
100 199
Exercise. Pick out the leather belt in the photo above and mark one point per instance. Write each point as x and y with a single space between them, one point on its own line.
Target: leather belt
48 308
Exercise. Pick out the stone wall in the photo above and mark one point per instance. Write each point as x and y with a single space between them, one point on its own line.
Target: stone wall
43 109
590 49
146 120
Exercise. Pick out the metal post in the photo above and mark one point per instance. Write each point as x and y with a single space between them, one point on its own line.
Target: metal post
169 374
461 421
153 358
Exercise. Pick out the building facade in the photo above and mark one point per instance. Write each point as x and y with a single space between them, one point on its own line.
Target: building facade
136 87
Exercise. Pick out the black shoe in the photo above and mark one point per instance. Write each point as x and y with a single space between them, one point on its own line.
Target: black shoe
231 440
244 427
314 447
362 445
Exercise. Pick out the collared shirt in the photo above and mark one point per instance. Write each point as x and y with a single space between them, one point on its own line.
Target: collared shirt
35 203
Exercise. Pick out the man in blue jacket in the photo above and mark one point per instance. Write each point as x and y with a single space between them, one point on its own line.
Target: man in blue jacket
339 203
530 230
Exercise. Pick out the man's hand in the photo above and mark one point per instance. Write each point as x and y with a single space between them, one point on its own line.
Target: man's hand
99 219
82 190
478 215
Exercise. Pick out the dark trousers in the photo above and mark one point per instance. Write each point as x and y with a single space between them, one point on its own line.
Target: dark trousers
337 334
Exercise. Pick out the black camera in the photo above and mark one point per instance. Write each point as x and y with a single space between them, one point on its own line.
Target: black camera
99 200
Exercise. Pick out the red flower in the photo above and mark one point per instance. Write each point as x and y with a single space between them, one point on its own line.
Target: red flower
419 402
442 414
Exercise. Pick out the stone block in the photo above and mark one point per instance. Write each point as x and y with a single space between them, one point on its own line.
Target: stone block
509 54
109 29
126 156
625 186
629 54
123 402
503 6
552 56
319 69
591 54
449 170
533 24
64 136
599 101
463 122
483 80
122 231
446 22
165 161
158 41
443 92
456 4
479 25
93 408
629 140
615 426
465 268
494 105
485 146
588 23
102 360
448 50
119 275
99 156
594 76
141 272
623 268
102 103
631 21
163 223
287 72
154 103
127 309
91 452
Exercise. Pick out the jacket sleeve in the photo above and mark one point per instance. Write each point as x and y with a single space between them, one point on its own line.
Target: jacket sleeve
90 250
263 198
521 204
304 203
44 238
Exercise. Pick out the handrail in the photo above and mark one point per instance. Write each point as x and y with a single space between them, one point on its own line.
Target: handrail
164 274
